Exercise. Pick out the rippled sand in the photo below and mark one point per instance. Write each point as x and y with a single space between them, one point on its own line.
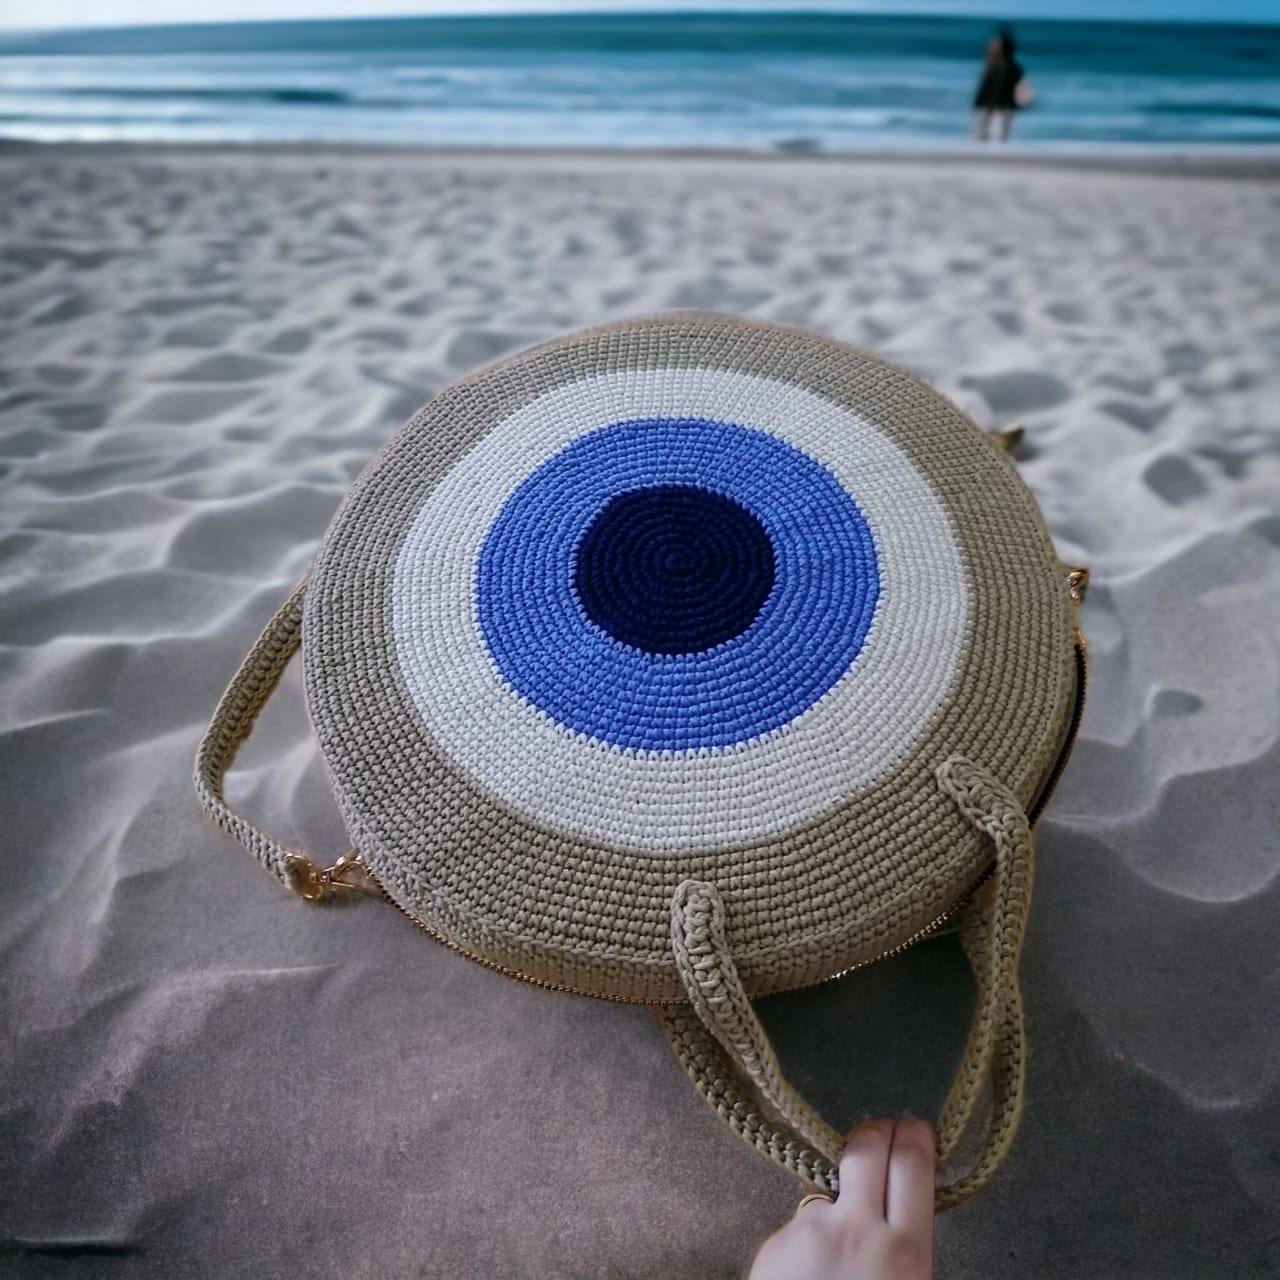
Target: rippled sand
203 1076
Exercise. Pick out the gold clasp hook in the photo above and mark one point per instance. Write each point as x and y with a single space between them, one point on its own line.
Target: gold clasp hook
1008 438
312 882
1077 581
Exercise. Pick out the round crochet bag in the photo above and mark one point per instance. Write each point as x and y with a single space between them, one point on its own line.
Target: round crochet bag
682 661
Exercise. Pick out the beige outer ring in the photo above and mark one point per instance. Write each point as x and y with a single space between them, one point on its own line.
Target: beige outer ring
802 905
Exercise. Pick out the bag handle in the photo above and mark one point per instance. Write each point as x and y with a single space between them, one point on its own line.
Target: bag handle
719 1039
253 683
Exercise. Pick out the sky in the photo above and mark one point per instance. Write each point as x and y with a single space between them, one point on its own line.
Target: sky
101 13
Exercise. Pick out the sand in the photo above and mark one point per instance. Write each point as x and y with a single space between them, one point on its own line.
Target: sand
205 1077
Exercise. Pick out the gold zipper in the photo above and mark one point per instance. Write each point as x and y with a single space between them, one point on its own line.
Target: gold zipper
312 882
492 964
1073 730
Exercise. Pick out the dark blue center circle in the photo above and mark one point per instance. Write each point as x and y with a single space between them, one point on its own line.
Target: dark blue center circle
674 568
628 610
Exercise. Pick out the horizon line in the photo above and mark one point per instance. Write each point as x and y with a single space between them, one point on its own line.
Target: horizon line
452 10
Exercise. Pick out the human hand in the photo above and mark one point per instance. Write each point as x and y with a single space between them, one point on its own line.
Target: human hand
880 1227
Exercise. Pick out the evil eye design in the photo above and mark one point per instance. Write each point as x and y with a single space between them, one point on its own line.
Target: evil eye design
646 602
672 584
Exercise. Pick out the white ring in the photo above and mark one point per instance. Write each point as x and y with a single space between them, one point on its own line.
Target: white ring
671 801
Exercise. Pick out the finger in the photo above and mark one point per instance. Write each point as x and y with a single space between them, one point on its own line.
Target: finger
909 1199
864 1169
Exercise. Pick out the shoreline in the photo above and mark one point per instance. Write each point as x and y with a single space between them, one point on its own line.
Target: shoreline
1230 166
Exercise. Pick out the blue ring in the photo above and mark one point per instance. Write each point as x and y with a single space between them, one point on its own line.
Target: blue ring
804 638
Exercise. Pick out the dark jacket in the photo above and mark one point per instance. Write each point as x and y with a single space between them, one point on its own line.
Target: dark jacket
995 93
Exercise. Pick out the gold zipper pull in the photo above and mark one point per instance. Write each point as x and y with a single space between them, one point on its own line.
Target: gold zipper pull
311 882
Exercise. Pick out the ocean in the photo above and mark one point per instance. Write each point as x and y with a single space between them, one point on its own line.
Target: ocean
755 81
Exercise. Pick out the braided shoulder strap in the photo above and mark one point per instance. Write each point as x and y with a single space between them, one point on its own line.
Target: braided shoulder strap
233 718
719 1041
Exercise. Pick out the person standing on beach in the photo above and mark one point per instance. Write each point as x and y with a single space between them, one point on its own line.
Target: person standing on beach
1003 89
